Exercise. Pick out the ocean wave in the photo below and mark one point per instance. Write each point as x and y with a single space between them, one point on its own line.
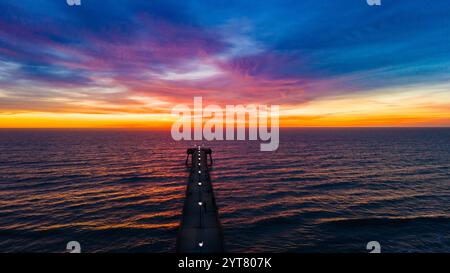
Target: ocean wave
387 221
124 191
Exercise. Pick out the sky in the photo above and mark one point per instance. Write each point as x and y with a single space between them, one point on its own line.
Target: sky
125 64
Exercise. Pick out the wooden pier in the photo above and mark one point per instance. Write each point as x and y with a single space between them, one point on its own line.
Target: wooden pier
200 229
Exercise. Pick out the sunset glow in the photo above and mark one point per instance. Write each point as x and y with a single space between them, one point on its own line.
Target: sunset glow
126 65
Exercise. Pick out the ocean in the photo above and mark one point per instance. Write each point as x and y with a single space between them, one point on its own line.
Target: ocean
323 190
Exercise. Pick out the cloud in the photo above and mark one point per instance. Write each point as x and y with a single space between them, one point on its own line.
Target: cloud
104 55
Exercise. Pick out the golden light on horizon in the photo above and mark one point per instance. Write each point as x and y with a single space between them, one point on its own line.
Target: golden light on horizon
402 107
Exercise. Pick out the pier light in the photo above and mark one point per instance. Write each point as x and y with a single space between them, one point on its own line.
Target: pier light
191 233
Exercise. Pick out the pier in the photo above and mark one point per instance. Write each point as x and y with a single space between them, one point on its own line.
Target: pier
200 229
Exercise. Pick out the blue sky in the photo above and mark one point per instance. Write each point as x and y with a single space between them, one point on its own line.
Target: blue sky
54 58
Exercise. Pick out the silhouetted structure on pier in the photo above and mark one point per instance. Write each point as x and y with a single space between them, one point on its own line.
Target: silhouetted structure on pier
200 229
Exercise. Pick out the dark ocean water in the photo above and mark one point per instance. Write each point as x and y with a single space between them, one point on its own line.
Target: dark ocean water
323 190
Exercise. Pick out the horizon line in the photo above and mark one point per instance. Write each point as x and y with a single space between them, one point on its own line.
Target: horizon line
164 128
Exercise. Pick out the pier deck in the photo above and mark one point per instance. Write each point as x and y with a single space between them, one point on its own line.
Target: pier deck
200 229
